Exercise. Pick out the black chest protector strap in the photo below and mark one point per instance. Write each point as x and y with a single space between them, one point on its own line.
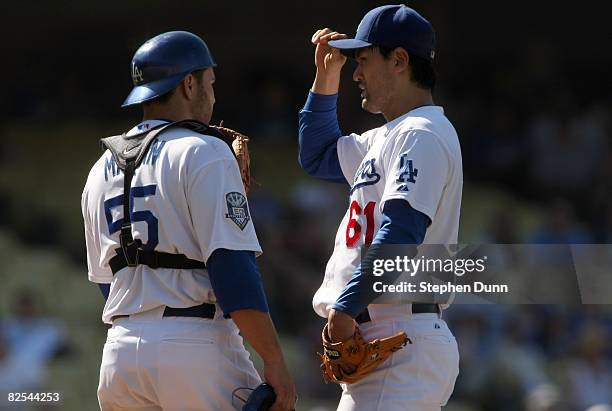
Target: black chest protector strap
128 152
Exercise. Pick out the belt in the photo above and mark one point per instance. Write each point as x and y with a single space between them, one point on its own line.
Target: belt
205 310
419 308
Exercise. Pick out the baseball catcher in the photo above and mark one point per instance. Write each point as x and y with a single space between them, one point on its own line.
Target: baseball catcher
169 234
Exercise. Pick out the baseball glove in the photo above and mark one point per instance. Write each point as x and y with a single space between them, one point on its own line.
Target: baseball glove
357 355
239 144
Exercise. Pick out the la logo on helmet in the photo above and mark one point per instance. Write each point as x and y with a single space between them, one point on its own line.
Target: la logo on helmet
136 74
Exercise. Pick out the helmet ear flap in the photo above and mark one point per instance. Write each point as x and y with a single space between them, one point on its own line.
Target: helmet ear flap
161 63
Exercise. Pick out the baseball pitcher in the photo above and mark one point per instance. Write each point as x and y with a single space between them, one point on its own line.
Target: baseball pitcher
405 182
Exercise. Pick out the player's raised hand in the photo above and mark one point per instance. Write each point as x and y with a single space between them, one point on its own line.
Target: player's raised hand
327 58
277 375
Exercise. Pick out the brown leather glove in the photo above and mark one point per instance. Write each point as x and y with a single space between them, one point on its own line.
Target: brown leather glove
356 354
239 144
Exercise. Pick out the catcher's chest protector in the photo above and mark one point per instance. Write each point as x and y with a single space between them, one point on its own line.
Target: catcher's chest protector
128 152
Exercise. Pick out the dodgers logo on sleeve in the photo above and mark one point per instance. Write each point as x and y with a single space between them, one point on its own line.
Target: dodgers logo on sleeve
407 173
237 209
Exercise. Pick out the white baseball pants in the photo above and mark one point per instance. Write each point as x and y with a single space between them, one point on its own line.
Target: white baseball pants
152 363
419 377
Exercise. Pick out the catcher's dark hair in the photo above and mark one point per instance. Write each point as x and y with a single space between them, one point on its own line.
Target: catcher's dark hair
164 98
422 70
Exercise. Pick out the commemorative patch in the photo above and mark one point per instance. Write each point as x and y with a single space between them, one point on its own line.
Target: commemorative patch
237 209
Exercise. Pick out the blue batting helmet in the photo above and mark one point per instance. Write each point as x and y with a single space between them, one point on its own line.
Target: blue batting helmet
162 62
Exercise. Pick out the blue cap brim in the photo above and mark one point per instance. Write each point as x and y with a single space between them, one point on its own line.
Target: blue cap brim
348 46
149 91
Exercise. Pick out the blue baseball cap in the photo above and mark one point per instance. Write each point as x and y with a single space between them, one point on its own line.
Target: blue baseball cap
392 26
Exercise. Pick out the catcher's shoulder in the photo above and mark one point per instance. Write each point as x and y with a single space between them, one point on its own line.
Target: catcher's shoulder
200 144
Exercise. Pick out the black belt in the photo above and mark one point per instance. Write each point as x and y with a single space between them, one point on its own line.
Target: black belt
419 308
205 310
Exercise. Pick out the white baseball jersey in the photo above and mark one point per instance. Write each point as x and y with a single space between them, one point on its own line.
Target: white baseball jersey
415 157
187 198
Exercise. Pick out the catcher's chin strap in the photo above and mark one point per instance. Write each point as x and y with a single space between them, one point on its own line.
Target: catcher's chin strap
128 152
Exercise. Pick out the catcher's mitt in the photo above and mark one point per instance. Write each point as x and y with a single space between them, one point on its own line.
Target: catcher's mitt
239 144
356 354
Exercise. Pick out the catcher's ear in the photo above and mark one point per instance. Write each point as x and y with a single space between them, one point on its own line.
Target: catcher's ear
187 86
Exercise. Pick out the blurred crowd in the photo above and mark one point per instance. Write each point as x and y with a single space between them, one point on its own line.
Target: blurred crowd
29 342
558 156
544 358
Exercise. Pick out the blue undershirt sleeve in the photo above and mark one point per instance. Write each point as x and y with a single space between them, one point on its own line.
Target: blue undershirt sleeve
105 290
401 224
236 281
318 133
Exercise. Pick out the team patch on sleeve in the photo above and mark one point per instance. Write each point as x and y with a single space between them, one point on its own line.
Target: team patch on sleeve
237 209
406 173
